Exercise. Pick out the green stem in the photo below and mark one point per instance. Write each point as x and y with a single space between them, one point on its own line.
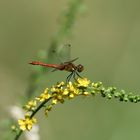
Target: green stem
40 106
33 114
18 135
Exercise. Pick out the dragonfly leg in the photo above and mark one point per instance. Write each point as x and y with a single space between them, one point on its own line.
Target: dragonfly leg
74 76
69 77
78 75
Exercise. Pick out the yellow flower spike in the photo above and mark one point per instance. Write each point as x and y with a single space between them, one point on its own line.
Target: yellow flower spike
27 115
96 85
86 93
82 82
59 97
60 84
49 108
22 124
27 123
43 96
46 90
71 96
14 128
65 92
72 89
31 105
58 88
54 101
55 90
34 120
61 101
70 86
46 112
76 91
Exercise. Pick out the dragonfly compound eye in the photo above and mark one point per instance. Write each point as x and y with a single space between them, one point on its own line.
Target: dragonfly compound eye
80 68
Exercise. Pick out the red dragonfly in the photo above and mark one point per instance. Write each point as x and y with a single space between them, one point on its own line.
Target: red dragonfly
67 66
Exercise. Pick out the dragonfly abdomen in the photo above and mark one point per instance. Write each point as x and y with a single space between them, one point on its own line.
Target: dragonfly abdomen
56 66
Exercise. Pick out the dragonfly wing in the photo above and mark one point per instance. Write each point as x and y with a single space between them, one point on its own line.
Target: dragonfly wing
71 61
54 70
64 52
52 55
59 54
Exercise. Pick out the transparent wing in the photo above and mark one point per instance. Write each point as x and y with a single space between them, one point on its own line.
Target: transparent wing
64 52
59 54
71 61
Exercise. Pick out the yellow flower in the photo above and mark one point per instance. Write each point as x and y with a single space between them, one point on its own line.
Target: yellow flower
59 97
55 90
71 96
49 108
27 123
54 101
14 128
96 85
85 93
57 94
44 96
46 91
46 112
72 89
82 82
31 105
60 84
65 92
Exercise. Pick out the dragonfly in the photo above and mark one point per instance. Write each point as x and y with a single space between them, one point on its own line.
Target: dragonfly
68 66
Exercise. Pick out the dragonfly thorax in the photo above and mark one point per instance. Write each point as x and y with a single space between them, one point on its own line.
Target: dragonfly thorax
71 67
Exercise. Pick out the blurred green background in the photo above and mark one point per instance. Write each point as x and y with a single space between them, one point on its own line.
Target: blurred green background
106 38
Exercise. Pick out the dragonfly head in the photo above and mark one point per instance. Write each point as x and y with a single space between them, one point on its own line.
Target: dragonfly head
80 68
